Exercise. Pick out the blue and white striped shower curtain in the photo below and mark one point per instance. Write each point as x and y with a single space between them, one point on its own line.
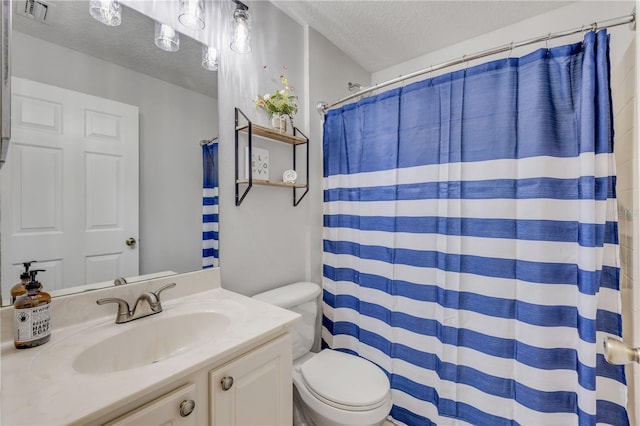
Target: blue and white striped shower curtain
470 241
210 253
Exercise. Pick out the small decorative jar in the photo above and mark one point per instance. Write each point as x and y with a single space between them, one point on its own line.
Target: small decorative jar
279 122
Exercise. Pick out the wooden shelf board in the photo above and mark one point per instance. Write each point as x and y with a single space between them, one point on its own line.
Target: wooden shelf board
272 134
273 183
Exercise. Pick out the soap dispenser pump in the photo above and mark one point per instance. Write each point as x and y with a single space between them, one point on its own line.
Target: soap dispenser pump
32 315
20 288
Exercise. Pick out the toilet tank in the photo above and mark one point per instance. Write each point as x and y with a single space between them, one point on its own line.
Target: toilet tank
300 297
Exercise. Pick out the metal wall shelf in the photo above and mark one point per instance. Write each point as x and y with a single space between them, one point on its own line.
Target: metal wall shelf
273 134
297 139
273 183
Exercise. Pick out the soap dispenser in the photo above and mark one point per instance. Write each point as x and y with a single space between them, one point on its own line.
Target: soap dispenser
32 315
19 289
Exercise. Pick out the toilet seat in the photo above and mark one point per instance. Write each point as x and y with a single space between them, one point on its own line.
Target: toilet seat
345 381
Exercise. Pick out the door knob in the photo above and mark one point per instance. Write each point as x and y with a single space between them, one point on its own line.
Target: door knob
131 242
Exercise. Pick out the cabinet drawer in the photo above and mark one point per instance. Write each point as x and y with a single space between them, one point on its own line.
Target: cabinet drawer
176 408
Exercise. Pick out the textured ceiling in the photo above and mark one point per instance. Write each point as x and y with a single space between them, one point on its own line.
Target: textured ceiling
379 34
129 45
375 33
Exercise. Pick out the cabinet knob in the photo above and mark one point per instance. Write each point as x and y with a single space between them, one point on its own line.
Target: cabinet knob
226 383
186 407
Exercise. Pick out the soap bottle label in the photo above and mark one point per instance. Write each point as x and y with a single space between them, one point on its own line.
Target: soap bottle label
32 323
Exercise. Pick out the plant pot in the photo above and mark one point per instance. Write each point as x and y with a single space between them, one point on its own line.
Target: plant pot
279 123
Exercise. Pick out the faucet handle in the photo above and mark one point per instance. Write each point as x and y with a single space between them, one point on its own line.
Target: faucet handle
161 289
153 298
124 312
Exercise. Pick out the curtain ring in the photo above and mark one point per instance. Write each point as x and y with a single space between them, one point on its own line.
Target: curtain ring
548 38
510 50
465 63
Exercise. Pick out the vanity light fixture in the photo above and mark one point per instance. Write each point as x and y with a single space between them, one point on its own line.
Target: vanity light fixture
106 11
241 42
166 38
618 352
192 14
209 58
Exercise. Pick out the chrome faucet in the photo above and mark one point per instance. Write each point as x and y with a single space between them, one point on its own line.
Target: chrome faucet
126 315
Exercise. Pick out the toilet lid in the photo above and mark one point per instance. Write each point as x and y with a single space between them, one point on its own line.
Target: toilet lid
345 381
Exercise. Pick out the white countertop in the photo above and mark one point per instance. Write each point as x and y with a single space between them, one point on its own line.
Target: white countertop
40 386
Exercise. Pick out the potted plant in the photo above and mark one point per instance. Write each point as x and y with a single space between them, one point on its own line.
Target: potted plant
281 105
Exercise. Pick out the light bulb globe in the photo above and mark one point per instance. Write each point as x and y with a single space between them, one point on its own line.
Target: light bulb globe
241 42
107 12
166 38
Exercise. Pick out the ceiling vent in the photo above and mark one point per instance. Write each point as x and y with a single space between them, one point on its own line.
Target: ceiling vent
34 9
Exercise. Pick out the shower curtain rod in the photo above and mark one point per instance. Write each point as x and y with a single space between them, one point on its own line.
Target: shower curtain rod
208 141
323 107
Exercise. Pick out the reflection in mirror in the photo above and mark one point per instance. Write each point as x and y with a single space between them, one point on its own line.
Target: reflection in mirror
104 172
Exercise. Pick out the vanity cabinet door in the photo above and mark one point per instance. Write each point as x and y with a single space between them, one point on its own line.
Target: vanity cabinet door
176 408
255 389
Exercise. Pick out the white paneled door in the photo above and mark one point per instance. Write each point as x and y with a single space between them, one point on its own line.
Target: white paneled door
69 187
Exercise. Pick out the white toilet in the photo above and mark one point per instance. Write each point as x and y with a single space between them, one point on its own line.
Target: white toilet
330 387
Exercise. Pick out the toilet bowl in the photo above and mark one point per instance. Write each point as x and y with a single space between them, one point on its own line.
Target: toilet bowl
341 389
331 388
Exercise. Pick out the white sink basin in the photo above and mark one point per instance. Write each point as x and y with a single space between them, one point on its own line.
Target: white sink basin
111 348
149 342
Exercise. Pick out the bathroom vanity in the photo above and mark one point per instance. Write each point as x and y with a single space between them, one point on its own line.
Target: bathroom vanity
253 388
211 357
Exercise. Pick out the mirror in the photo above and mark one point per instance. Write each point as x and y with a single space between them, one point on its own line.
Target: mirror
176 101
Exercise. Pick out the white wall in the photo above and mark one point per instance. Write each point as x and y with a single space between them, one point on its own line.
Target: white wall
266 242
568 17
330 71
626 149
263 242
170 154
